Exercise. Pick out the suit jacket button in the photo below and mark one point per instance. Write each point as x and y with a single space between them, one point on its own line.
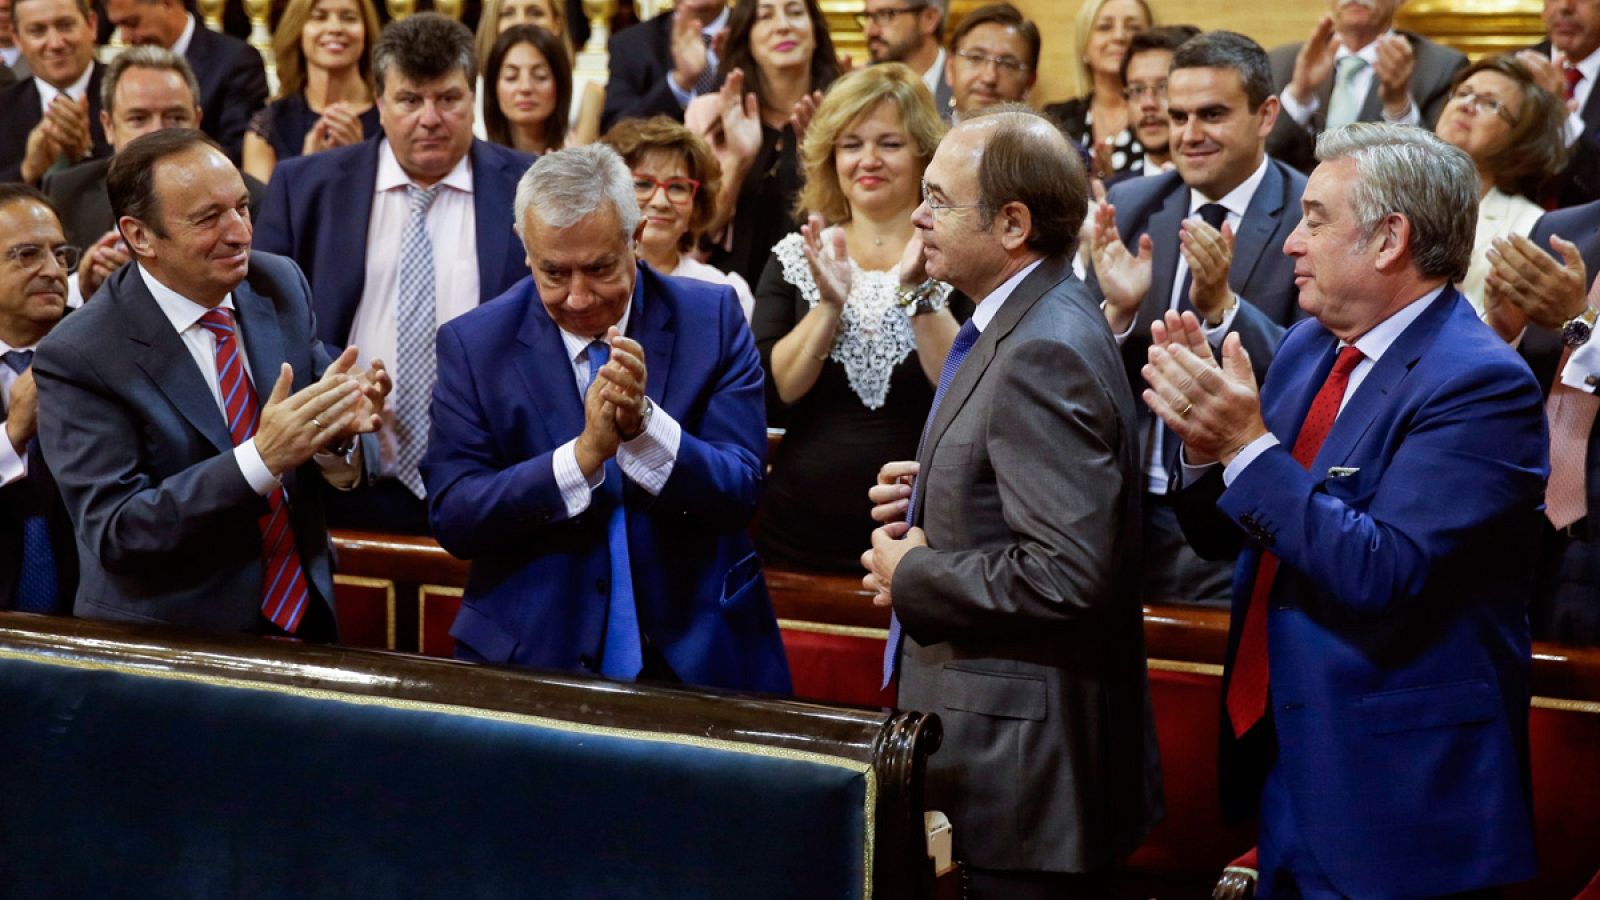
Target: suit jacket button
586 662
1292 707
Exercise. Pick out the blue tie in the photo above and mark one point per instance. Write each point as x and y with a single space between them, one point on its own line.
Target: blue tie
959 348
36 576
623 657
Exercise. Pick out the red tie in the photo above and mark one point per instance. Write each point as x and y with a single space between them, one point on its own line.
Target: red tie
1572 76
1247 689
283 581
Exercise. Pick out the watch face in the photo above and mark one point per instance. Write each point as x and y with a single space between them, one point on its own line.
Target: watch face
1576 333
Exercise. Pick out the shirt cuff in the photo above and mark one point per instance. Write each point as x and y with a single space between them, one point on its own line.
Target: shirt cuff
1247 456
1192 473
1582 372
648 458
1126 332
342 471
1292 108
576 490
1215 333
255 470
682 96
13 465
1409 117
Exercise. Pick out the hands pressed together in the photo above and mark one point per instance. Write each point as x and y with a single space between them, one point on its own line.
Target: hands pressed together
1525 283
1214 409
614 405
63 131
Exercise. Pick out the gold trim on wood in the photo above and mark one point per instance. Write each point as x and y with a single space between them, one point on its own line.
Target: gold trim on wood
1565 705
389 602
422 602
1478 28
877 634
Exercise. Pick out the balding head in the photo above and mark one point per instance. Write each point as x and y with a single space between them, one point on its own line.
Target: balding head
1023 158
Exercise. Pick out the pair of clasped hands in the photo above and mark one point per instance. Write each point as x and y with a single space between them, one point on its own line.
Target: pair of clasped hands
1214 408
614 404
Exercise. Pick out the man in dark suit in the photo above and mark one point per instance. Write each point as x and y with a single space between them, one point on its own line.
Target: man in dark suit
424 199
1204 237
1355 67
909 32
1385 486
13 66
1567 63
38 559
53 118
597 451
233 81
190 412
144 89
1551 309
1015 576
659 65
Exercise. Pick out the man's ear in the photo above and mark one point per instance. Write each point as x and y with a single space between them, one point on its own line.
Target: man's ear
1016 224
1394 242
137 236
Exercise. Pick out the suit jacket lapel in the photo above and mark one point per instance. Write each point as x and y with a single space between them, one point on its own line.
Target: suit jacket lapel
349 203
546 370
1260 219
1358 414
162 355
489 211
651 325
1163 230
263 340
1049 273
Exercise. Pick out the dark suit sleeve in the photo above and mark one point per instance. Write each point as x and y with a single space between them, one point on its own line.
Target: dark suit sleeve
1054 450
640 67
274 228
245 90
721 461
476 504
1373 540
130 520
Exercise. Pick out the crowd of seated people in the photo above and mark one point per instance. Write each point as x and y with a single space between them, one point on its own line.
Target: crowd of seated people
741 230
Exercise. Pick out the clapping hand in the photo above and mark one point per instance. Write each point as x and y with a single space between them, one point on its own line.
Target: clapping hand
1525 283
1214 409
1396 62
1209 253
825 250
1124 277
624 377
1314 63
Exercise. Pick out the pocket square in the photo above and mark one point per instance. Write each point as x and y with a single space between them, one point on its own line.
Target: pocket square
1342 472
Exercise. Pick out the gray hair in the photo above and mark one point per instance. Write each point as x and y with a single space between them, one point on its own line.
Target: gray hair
568 185
1406 170
145 56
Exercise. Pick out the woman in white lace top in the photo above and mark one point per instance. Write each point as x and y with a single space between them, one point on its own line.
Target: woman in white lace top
851 333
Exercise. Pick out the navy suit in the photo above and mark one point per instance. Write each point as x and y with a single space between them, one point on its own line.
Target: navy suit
1579 182
1577 224
233 85
1264 280
641 62
1396 629
507 398
20 112
166 524
318 208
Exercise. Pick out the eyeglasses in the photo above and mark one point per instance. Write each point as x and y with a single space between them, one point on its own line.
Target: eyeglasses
1137 91
679 190
886 16
936 208
30 257
1484 104
1010 65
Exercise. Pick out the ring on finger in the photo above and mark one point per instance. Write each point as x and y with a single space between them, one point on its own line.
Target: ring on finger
316 424
1184 413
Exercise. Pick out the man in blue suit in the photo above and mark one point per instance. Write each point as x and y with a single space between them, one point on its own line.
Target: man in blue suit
597 451
1204 237
1386 486
397 236
189 412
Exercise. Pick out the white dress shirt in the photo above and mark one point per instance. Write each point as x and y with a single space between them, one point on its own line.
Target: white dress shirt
181 45
1582 372
1360 84
185 314
1589 67
989 306
75 91
1372 345
453 231
13 464
934 76
647 460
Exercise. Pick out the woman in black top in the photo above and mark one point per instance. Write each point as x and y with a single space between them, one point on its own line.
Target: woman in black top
324 57
852 334
1101 121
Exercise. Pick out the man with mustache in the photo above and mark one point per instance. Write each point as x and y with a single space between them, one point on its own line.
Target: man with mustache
1355 67
1568 62
907 31
1144 76
1203 237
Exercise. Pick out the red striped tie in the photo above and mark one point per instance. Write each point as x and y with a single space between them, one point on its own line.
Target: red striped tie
283 581
1247 686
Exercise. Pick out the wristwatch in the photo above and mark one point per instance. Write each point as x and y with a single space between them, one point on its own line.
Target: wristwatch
919 299
644 416
1578 328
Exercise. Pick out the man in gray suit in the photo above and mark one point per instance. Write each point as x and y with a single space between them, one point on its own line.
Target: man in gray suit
908 32
1015 573
1356 67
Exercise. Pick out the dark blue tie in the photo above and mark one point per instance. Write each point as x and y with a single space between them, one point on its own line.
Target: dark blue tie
37 586
1213 214
959 348
623 657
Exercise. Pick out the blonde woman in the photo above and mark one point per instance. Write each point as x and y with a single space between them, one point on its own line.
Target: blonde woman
1100 120
324 56
851 334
